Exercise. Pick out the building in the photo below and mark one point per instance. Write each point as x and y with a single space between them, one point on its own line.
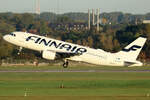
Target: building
146 21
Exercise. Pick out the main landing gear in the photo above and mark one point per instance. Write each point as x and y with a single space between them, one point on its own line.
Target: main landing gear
65 64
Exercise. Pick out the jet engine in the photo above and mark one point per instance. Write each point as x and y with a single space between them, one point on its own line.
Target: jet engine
49 55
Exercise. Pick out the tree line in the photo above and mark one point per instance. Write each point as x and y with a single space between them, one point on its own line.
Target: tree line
111 38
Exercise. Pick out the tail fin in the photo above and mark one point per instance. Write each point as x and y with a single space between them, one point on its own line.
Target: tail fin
133 49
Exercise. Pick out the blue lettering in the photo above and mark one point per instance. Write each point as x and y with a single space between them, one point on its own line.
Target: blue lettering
81 50
31 38
55 44
67 46
73 48
37 40
45 42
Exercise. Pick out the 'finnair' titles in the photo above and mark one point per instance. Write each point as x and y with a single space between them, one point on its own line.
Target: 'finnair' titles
57 45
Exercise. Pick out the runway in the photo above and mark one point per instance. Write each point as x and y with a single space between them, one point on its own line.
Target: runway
60 71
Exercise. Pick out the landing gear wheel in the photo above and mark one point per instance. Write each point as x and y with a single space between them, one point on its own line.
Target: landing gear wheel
65 65
20 49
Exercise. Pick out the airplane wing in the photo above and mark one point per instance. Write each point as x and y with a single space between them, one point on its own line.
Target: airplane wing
51 54
61 55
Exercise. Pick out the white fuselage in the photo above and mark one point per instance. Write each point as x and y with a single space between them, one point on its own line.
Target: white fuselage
41 43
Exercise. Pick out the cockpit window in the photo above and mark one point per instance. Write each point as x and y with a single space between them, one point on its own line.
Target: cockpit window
12 34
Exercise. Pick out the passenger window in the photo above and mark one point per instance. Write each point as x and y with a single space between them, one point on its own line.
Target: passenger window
12 34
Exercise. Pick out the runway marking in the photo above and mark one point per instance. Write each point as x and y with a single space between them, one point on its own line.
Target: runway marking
51 71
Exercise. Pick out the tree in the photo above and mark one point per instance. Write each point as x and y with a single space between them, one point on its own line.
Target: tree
84 42
23 21
64 19
116 45
70 41
27 19
5 49
44 29
90 41
6 28
78 42
106 41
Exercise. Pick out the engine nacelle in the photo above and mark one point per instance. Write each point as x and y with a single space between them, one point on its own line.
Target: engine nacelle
49 55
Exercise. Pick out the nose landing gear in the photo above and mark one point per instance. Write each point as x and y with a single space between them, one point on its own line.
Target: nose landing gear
65 64
20 49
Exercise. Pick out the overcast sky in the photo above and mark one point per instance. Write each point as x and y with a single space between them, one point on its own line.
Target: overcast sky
61 6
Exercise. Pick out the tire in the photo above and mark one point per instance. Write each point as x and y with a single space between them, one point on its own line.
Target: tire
65 65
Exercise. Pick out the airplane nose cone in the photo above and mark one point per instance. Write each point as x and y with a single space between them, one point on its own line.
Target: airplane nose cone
5 38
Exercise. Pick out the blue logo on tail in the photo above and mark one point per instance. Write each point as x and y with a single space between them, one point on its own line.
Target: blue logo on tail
133 48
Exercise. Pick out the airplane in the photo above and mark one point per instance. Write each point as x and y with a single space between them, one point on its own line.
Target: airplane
53 49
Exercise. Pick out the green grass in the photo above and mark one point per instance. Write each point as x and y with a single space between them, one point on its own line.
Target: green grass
77 85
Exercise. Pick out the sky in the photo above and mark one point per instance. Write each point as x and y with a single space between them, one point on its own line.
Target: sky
63 6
